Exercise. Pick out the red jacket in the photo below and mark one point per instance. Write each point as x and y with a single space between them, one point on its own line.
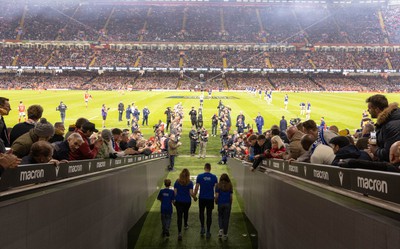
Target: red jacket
85 151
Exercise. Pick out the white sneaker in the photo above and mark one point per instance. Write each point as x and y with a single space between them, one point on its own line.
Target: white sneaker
225 237
220 232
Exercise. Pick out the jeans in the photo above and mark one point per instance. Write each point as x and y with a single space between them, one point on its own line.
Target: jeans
193 145
224 213
182 209
207 204
214 129
166 222
171 161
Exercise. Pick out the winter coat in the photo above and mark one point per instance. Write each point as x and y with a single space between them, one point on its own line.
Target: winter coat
350 151
387 130
22 146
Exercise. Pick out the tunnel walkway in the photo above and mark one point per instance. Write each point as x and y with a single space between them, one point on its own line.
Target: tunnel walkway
147 233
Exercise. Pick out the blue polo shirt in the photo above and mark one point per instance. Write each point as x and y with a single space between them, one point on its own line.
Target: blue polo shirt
183 192
224 197
207 182
166 196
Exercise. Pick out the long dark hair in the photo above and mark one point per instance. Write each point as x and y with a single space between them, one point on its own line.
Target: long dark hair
184 177
225 184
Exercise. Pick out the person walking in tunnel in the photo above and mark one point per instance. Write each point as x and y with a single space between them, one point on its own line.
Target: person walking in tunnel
183 189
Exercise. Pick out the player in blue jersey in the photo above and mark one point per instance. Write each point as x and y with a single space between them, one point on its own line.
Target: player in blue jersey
207 183
286 101
308 110
223 198
183 189
167 197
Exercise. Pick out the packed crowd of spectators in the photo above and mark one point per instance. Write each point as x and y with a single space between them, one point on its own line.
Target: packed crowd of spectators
170 58
149 81
273 24
198 81
117 58
293 83
290 60
339 83
392 23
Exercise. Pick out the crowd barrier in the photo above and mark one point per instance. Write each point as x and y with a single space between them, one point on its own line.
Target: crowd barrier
315 206
39 173
83 204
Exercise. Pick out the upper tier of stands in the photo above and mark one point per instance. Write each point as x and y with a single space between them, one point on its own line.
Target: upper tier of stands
182 23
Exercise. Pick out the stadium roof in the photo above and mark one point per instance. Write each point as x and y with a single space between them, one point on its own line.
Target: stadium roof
227 2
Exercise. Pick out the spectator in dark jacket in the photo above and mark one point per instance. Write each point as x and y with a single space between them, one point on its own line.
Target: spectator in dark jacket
59 130
63 149
261 150
343 149
34 114
387 125
41 152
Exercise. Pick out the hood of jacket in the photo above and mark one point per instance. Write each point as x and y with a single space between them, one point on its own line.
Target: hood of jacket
392 112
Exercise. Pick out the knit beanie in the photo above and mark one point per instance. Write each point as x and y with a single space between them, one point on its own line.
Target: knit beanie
44 128
106 134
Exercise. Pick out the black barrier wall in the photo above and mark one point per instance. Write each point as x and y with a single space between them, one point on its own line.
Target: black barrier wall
91 212
289 213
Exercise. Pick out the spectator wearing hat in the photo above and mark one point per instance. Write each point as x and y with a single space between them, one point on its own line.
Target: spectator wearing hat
63 149
87 150
34 114
343 149
43 131
106 150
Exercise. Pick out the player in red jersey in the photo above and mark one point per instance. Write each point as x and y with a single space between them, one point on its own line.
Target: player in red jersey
21 110
86 97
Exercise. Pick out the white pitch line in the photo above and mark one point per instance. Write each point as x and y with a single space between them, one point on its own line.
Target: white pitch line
92 117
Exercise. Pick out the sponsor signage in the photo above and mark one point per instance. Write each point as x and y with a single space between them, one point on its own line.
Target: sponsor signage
206 69
72 169
378 184
383 185
38 173
24 175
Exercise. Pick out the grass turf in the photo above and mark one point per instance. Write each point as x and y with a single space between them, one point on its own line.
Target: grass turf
341 109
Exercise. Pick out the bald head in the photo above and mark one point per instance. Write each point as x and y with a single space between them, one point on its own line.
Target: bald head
291 131
394 153
306 141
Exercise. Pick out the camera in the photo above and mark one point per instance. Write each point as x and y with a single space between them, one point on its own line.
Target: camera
295 121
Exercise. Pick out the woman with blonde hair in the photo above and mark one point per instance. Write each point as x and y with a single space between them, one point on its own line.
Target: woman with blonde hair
278 148
223 198
183 189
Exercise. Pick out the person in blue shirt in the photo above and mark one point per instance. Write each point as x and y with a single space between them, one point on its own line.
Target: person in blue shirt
207 183
286 101
259 123
183 189
223 198
167 197
128 113
146 113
